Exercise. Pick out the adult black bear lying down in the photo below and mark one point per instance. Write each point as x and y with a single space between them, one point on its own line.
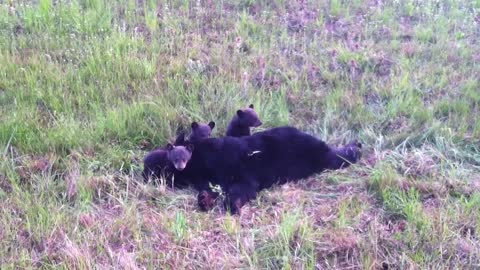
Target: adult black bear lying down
243 166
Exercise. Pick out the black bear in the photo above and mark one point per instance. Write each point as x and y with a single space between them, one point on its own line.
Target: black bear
243 120
159 163
245 165
167 162
156 162
201 131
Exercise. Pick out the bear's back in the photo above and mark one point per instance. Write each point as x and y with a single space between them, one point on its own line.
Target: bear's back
218 156
285 153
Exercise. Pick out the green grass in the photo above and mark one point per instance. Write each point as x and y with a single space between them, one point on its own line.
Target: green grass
87 87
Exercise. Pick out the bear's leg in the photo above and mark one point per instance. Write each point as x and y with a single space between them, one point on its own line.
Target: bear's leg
206 199
240 193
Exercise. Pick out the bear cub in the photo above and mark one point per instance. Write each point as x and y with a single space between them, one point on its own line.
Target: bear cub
163 162
243 120
201 131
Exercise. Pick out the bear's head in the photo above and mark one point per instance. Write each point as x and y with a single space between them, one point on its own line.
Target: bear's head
346 155
353 151
179 155
201 131
249 117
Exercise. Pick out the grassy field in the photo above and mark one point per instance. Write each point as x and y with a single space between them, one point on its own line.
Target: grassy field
88 87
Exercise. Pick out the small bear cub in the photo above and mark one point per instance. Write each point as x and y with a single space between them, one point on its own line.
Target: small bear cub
179 155
243 120
163 161
201 131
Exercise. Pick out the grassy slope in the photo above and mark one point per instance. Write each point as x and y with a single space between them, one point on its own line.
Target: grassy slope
86 88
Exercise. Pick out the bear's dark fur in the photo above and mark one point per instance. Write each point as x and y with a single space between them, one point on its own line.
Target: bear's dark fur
201 131
161 162
158 163
243 166
243 120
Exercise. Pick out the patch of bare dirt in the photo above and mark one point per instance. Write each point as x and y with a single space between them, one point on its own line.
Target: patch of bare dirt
299 15
142 30
382 34
419 164
314 76
100 187
474 185
337 28
409 49
340 248
27 166
5 184
86 220
268 77
121 237
476 57
382 65
220 246
398 124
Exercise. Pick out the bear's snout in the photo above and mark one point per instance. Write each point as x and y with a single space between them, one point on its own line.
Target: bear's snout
180 166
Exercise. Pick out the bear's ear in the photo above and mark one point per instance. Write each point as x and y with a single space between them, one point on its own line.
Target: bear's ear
211 124
190 147
251 106
194 125
180 139
240 113
169 147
